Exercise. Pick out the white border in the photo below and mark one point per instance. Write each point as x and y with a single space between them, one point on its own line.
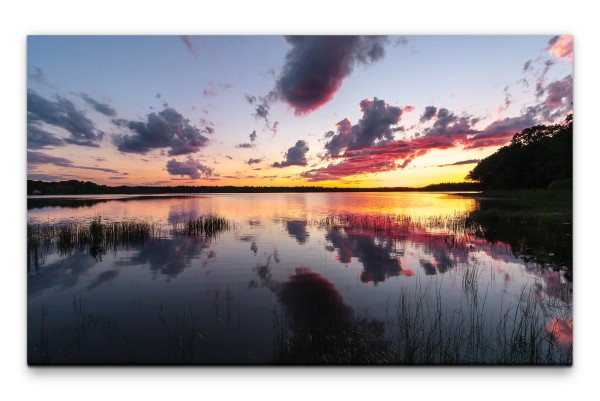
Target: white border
20 19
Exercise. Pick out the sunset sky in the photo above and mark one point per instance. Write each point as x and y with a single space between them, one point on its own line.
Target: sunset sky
269 110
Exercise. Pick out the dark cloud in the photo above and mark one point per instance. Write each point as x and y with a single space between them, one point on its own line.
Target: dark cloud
106 170
247 145
507 99
375 125
189 167
316 66
34 158
448 124
559 90
44 177
37 138
103 108
158 95
460 163
253 161
295 156
165 129
262 106
43 158
62 113
428 114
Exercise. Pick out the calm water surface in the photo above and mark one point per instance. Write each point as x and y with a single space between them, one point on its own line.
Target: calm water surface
389 280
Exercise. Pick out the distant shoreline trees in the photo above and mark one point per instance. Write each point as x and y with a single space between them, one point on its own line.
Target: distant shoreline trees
537 157
74 187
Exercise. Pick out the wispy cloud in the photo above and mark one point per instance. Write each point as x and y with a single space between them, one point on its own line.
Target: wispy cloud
460 163
561 47
187 41
212 89
35 158
35 74
103 108
43 158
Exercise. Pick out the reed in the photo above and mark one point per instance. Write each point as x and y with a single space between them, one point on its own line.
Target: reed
99 235
208 226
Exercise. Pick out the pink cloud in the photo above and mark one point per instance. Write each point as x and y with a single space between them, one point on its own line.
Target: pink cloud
561 47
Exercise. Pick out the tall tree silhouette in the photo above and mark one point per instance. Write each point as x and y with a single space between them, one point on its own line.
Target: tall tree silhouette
535 158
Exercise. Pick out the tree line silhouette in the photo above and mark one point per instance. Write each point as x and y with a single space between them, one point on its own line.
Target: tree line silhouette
538 157
74 187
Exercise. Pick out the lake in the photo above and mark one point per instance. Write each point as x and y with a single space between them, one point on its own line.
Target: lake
297 278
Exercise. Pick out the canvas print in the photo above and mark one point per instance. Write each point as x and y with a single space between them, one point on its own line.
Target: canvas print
300 200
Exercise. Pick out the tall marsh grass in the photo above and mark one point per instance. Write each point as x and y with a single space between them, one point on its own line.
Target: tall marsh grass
208 226
99 236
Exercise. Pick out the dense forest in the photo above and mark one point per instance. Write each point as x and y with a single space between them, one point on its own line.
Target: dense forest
73 187
537 157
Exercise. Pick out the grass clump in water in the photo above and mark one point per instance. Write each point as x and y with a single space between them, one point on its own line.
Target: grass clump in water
208 226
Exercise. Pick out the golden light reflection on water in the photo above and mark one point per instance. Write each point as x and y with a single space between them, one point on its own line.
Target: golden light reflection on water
263 206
